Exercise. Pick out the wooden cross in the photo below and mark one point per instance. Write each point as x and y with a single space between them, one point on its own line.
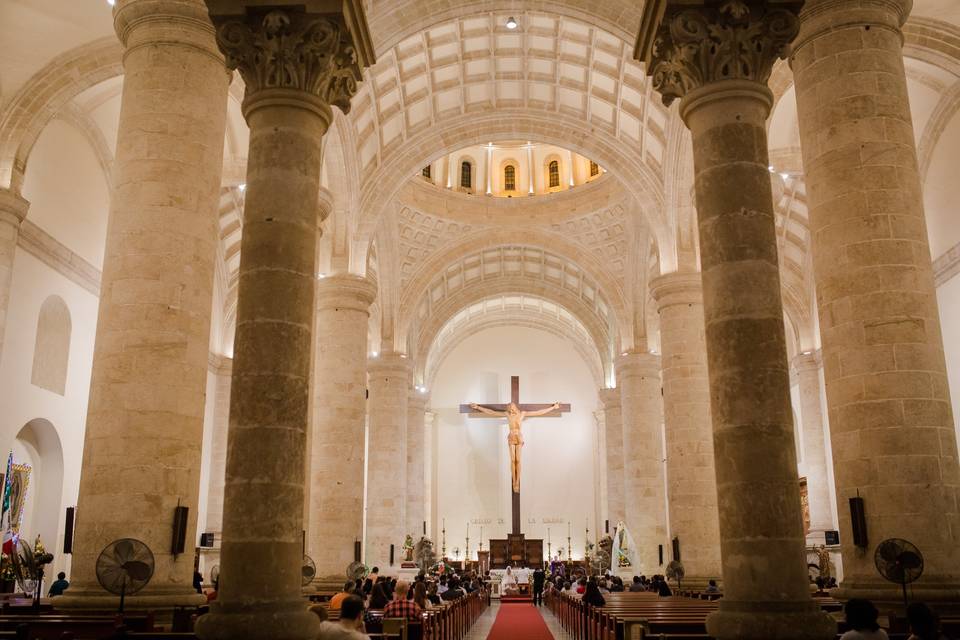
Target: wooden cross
515 399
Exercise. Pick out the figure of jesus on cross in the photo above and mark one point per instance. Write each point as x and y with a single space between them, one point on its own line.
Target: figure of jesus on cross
515 412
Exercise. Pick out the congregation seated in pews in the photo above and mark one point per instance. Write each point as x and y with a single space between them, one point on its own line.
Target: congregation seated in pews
596 608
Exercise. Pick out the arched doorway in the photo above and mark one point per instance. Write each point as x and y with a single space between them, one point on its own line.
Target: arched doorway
38 446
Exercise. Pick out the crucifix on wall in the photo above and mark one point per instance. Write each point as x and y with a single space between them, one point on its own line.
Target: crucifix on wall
515 412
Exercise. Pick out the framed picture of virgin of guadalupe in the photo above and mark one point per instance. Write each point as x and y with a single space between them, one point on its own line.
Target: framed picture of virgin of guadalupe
19 480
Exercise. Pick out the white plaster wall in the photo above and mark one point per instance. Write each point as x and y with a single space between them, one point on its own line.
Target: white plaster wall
473 478
68 193
941 192
21 401
948 297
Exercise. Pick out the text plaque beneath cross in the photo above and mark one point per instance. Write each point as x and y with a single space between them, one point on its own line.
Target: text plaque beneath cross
515 412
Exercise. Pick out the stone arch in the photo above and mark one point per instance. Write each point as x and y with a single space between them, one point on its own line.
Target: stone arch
599 334
47 92
38 444
51 351
555 243
434 350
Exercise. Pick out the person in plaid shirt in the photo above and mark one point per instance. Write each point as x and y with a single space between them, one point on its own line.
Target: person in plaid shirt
400 607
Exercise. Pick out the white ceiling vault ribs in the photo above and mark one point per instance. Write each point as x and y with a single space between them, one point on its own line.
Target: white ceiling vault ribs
392 21
509 269
556 77
581 258
517 310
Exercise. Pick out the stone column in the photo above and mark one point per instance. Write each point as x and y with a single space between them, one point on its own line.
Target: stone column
295 66
717 58
807 366
222 369
889 409
613 431
638 378
387 467
691 476
144 429
13 209
339 420
416 463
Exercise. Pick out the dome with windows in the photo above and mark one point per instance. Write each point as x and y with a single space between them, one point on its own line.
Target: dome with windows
511 169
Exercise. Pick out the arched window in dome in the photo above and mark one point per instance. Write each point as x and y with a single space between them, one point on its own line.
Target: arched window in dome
466 175
510 178
426 172
553 170
594 169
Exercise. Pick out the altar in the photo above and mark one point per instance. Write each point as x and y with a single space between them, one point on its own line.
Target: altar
524 579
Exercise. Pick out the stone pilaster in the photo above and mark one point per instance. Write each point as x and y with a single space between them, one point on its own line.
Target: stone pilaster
296 65
339 419
691 477
717 58
891 423
144 428
807 366
13 209
613 431
638 378
387 411
429 428
416 463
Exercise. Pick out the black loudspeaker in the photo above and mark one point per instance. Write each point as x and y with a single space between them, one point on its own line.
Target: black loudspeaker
606 526
391 555
180 516
832 537
68 530
356 551
424 527
858 522
676 549
660 552
206 540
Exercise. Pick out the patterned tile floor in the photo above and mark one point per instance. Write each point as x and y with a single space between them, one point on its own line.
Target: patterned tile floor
484 623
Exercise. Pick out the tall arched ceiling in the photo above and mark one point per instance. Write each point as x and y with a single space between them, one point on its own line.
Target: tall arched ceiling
509 269
545 255
507 310
469 81
393 21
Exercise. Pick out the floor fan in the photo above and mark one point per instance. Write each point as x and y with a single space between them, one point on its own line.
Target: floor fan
899 561
675 571
308 571
124 567
28 569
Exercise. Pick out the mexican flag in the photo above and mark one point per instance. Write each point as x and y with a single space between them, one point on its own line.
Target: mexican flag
6 511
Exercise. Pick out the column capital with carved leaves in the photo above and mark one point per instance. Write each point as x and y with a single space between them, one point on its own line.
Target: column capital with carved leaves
298 61
313 52
716 57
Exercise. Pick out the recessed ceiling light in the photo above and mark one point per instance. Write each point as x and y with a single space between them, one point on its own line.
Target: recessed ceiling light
111 2
511 23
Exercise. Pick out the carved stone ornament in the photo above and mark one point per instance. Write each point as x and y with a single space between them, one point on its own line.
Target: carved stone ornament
292 50
729 40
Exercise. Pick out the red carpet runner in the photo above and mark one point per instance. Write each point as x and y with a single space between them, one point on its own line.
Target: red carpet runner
519 622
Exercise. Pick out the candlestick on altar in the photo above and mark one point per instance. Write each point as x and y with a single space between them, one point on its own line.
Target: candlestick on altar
466 553
443 549
481 540
569 546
